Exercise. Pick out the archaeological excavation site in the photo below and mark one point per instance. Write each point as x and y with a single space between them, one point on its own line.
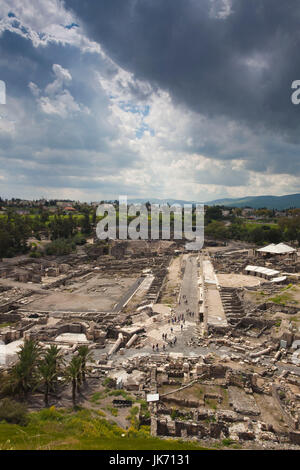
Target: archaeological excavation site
201 347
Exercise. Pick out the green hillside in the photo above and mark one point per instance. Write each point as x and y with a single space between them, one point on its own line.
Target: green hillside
257 202
60 429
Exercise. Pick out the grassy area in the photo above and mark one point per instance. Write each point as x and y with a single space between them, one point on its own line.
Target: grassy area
97 397
198 393
122 394
280 299
4 325
75 215
285 296
58 429
252 225
227 443
211 403
112 410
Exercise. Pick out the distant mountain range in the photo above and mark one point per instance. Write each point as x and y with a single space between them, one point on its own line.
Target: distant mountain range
161 201
256 202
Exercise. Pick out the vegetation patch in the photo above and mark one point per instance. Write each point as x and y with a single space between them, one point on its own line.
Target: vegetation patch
13 412
112 410
97 397
122 393
6 324
63 429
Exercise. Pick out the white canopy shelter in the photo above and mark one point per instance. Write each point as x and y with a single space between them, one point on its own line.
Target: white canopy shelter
279 249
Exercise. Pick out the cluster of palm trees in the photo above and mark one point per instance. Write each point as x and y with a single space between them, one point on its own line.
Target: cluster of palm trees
44 368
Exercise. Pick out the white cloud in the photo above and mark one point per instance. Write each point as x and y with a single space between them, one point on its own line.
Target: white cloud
56 98
220 9
62 104
34 89
63 78
44 22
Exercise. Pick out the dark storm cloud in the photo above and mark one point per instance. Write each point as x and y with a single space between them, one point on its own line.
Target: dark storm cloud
227 65
20 63
240 66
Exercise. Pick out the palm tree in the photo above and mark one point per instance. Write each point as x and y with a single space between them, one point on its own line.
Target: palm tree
24 372
72 372
48 374
54 352
54 355
85 354
48 370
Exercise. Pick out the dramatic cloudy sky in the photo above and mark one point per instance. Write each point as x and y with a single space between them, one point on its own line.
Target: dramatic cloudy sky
186 99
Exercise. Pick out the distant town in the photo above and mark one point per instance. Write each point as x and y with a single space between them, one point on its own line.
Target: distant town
58 226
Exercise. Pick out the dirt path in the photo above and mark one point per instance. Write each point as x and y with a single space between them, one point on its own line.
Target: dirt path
172 283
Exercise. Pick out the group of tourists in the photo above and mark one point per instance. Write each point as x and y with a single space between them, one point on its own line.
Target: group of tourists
190 313
175 319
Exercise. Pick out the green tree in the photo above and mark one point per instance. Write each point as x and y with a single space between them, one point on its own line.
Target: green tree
24 373
257 235
216 230
14 233
48 369
85 354
213 213
72 374
86 225
60 247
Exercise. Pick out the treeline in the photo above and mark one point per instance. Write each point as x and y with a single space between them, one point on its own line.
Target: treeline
14 233
286 230
67 227
68 231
